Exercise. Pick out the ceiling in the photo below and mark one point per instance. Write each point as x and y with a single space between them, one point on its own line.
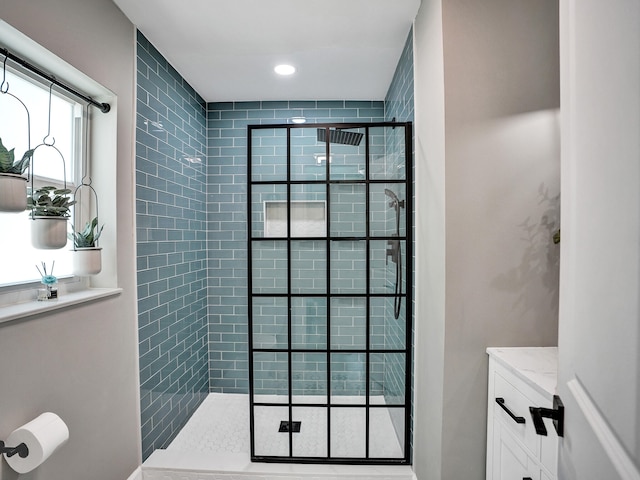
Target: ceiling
226 49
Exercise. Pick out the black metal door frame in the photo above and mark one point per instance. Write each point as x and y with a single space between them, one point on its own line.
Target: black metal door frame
406 296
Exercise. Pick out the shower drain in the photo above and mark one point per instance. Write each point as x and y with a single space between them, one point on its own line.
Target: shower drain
284 426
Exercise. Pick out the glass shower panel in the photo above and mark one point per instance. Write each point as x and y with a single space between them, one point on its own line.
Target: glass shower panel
329 311
348 207
348 323
387 432
386 332
271 377
269 266
348 266
347 152
269 154
387 268
388 153
308 266
269 317
269 211
309 377
348 378
312 439
348 432
269 441
387 207
387 378
308 156
309 323
376 380
308 210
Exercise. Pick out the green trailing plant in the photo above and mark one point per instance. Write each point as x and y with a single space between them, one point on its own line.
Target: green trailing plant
8 163
50 202
88 236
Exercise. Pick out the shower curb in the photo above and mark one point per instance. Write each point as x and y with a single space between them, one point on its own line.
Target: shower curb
171 465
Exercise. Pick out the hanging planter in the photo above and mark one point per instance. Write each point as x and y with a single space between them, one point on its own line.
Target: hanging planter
49 233
13 186
87 261
87 256
13 193
49 214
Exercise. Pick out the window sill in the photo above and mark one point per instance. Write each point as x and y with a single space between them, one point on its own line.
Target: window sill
19 311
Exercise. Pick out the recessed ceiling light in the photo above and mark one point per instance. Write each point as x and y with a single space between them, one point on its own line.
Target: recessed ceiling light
298 120
284 69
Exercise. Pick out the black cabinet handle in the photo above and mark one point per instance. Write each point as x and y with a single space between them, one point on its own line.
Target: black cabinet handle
500 401
527 478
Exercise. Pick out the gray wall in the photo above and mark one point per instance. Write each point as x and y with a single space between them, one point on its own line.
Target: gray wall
82 362
497 151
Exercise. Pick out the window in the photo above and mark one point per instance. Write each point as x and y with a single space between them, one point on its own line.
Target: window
66 132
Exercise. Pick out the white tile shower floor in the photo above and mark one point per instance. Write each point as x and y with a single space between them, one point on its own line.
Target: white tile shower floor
215 442
219 425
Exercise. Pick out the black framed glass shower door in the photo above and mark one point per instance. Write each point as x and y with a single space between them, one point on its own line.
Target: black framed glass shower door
329 260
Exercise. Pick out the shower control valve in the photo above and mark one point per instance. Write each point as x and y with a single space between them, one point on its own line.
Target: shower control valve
393 249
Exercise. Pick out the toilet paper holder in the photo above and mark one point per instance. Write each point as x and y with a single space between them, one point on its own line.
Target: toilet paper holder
21 450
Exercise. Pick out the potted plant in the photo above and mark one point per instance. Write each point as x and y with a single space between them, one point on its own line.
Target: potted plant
49 211
13 186
87 258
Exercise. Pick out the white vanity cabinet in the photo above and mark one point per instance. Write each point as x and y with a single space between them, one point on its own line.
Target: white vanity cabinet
520 378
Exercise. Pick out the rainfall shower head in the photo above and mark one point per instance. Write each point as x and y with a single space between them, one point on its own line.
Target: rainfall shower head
342 137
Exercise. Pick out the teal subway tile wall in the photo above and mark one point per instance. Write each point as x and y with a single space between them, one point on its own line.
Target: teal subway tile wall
171 247
227 200
399 104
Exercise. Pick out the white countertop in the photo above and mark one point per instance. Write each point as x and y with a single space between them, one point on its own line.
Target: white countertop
538 366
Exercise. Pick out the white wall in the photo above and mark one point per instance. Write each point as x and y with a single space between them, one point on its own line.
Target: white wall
599 350
430 240
499 202
82 362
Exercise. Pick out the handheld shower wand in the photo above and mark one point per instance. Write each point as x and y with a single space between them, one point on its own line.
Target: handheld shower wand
395 203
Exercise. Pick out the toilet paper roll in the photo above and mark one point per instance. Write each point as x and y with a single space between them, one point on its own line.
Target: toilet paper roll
43 436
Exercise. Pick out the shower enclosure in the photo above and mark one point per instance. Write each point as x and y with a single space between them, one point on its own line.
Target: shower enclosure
329 260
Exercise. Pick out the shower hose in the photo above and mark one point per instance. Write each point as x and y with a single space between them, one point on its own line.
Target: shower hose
397 301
